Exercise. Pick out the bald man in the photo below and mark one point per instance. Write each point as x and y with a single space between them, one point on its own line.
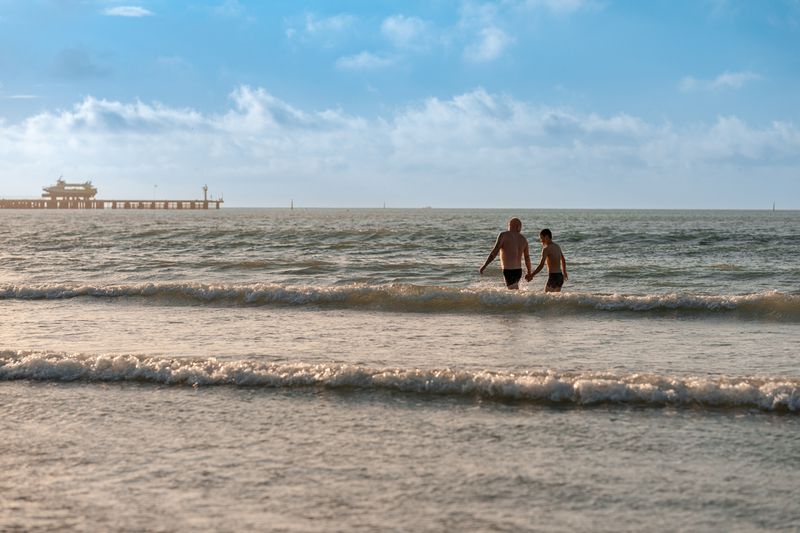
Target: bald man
512 247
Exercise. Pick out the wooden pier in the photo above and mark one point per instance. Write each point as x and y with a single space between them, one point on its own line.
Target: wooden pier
110 204
65 195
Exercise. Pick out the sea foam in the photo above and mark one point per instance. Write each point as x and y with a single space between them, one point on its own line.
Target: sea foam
419 298
587 388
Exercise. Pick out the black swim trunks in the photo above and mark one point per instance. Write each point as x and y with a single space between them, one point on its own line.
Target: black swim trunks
555 280
512 275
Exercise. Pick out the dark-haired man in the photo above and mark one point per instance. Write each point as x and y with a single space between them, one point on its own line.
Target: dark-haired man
556 263
512 247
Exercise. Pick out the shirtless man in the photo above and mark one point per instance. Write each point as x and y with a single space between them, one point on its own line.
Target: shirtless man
512 247
556 264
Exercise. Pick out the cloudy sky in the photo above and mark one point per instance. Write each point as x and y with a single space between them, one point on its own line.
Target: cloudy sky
447 103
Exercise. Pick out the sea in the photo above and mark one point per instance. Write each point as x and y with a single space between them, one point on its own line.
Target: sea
350 370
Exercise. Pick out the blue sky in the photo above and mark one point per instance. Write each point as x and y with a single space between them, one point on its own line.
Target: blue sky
516 103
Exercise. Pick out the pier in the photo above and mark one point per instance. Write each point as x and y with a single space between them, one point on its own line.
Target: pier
64 195
111 204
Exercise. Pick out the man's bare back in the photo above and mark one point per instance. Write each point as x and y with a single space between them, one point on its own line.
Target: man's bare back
512 246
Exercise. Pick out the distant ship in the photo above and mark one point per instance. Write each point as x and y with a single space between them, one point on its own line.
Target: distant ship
70 191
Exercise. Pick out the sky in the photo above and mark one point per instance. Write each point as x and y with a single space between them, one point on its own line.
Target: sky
512 103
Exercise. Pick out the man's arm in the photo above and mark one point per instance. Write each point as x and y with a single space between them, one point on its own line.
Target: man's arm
492 254
564 266
527 254
538 268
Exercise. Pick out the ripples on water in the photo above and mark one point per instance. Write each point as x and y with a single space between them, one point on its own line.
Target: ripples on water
627 252
348 369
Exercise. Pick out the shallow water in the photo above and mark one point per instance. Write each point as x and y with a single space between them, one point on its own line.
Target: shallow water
128 456
348 369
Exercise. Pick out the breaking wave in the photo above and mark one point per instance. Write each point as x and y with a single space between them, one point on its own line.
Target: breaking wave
417 298
588 388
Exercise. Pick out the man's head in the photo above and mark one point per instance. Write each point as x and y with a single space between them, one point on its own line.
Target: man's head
545 236
515 224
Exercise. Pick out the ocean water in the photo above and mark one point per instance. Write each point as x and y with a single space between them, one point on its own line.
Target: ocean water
349 370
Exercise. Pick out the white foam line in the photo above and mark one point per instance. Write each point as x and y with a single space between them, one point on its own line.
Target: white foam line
420 298
543 386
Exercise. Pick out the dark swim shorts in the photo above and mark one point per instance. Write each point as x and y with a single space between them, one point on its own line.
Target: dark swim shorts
512 275
555 280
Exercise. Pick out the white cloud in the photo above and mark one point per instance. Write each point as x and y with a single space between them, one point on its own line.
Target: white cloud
363 61
127 11
473 14
406 32
234 10
489 46
263 149
485 27
338 23
726 80
480 25
324 31
559 6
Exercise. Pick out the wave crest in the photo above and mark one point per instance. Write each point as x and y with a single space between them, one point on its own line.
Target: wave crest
418 298
588 388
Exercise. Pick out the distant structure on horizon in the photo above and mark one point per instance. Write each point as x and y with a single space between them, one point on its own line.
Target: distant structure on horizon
69 191
65 195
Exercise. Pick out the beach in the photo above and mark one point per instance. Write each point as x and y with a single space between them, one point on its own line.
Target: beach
348 369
